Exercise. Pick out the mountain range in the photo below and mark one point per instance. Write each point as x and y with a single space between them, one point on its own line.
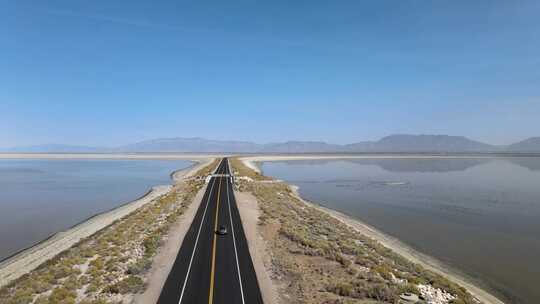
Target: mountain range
393 144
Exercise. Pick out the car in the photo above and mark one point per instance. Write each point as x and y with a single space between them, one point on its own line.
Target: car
222 230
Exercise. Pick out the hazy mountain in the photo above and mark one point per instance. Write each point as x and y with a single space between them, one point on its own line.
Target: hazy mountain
301 147
194 144
363 146
392 143
426 143
205 145
529 145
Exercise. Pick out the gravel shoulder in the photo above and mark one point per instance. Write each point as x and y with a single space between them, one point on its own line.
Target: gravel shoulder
249 213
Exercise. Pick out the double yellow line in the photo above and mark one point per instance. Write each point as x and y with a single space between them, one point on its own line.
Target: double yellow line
211 290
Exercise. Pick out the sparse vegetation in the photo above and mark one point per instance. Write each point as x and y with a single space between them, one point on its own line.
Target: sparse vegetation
110 265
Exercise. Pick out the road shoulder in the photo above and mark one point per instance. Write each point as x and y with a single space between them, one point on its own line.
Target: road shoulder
249 214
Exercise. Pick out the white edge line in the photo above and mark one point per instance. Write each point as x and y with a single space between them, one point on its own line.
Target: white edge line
234 243
197 240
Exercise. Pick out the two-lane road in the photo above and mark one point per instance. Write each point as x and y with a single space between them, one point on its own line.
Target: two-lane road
212 268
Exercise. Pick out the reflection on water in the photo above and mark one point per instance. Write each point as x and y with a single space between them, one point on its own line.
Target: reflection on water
481 215
41 197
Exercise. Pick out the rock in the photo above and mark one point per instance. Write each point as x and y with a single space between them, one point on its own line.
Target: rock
409 297
435 295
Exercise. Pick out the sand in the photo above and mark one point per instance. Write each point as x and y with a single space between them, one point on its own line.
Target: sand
29 259
390 242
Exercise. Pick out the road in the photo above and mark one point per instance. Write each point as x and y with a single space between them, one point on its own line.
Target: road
212 268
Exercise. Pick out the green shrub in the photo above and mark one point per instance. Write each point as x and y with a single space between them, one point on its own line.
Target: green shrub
363 261
39 285
382 292
62 295
408 288
94 285
131 284
150 244
384 271
342 289
21 296
97 301
61 271
97 263
72 283
140 266
342 260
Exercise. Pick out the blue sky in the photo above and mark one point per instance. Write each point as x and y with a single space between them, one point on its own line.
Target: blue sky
116 72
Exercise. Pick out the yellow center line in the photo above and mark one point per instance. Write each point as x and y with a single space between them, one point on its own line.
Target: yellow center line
211 291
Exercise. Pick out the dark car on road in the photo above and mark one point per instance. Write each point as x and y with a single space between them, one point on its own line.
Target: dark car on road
222 230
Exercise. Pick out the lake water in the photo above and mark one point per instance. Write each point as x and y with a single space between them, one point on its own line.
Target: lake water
480 216
41 197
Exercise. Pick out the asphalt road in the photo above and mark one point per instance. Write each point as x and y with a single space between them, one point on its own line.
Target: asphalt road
212 268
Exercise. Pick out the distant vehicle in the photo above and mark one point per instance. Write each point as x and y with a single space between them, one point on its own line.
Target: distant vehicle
222 230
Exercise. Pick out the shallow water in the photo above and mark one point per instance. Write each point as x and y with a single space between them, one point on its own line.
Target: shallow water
480 216
41 197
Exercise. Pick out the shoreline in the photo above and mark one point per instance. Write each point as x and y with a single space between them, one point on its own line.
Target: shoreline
30 258
390 242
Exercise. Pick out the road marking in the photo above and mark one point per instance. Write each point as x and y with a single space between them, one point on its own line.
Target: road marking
235 252
231 173
197 240
211 289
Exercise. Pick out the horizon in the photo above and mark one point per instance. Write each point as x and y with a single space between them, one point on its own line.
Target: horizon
104 74
61 145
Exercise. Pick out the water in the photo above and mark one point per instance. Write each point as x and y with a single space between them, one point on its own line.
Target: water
480 216
41 197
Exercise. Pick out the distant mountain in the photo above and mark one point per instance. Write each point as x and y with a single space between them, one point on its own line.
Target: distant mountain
300 147
54 148
363 146
423 143
204 145
393 143
529 145
194 144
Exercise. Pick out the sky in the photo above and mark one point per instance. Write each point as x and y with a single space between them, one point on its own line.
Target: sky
108 73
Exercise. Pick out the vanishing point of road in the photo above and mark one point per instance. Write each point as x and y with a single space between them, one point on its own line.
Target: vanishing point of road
212 268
